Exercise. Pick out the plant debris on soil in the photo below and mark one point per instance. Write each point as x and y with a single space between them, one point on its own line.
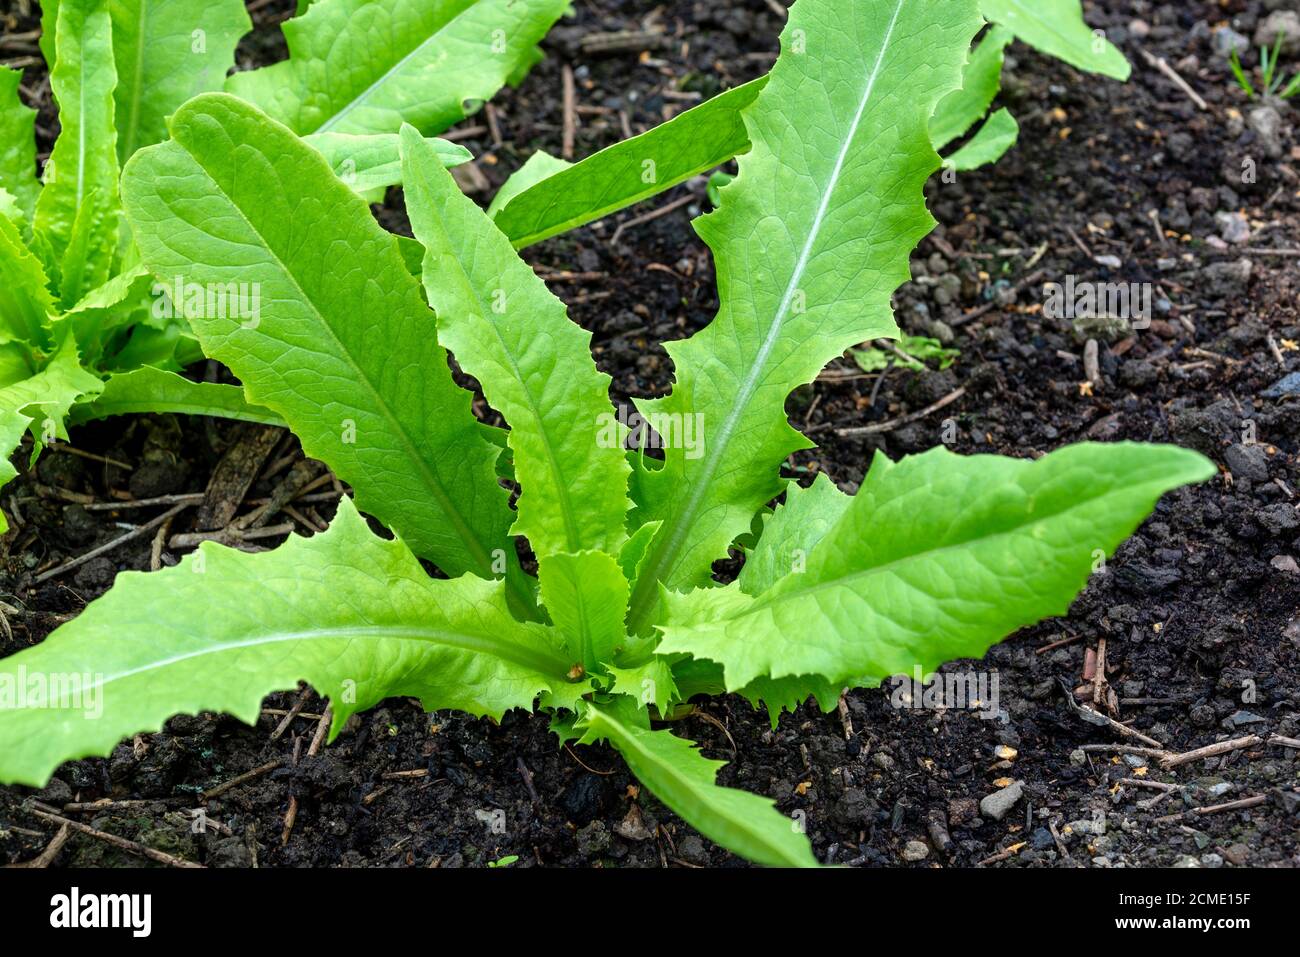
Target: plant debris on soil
1188 637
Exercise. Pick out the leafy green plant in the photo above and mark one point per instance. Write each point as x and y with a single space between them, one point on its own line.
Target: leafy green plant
1272 83
911 352
82 334
548 195
936 557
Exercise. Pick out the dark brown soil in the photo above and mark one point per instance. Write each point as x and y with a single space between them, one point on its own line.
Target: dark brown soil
1199 612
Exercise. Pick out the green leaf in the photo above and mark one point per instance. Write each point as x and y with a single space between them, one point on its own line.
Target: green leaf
1057 28
586 596
153 390
938 557
17 144
373 161
535 169
340 342
811 241
791 534
43 399
367 66
166 52
677 774
961 109
650 683
998 134
77 211
535 366
25 301
350 613
12 427
635 169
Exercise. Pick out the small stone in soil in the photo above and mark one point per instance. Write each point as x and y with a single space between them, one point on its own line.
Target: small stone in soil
997 804
915 851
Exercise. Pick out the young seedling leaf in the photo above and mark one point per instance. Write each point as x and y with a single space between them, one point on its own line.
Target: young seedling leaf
938 557
166 52
339 341
677 774
350 613
586 597
810 243
635 169
367 66
1057 28
506 329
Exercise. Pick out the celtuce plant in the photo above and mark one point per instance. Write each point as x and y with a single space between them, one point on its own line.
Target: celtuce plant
936 557
85 330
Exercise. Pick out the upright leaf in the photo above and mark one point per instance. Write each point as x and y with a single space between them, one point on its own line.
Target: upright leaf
586 596
810 243
677 774
166 52
367 66
1057 28
17 144
338 341
630 171
938 557
353 614
535 366
77 211
25 301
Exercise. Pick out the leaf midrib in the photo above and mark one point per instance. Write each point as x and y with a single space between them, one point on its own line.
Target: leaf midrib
562 491
1021 527
388 74
513 653
430 480
702 485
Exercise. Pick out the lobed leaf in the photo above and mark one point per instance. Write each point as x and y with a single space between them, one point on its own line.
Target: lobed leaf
367 66
811 241
342 345
982 78
507 330
677 774
350 613
938 557
26 305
